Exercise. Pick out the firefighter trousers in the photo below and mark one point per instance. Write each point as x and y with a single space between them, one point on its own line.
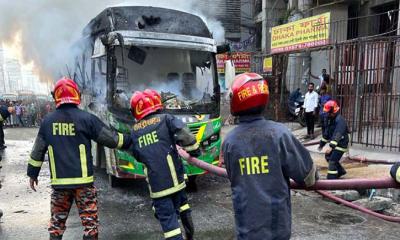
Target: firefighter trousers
335 169
86 202
168 210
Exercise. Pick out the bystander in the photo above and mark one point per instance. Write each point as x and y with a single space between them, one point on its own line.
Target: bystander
310 105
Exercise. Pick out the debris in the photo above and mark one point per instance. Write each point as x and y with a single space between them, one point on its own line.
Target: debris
393 211
351 195
377 204
21 211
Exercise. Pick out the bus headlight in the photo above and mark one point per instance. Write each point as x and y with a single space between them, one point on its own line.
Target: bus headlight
210 140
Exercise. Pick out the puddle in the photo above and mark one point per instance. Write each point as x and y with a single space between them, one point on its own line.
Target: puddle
340 218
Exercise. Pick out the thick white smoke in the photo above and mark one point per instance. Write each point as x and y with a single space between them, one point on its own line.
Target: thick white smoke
46 29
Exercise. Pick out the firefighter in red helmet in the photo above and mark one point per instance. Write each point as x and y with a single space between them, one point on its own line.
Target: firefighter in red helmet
153 143
66 135
260 156
336 133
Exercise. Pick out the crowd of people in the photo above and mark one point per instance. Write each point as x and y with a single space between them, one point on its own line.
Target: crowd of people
28 113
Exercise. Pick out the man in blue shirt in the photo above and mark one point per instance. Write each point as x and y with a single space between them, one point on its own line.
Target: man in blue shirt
324 98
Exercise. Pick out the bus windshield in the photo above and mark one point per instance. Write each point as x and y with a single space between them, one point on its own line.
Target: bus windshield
185 78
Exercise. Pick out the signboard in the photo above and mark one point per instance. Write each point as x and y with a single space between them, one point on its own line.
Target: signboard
267 65
241 60
301 34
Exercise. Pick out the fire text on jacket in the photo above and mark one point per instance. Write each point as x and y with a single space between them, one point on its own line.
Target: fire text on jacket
144 123
254 165
63 129
148 139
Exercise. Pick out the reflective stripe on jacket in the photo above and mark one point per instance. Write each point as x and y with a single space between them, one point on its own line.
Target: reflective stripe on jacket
66 135
153 144
336 133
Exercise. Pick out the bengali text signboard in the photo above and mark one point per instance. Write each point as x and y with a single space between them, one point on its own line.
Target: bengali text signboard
267 65
241 60
304 33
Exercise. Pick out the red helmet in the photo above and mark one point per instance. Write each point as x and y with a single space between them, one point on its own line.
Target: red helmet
66 91
142 104
331 106
249 92
155 96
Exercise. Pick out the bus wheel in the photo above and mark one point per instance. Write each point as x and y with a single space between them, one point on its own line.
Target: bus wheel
113 181
192 185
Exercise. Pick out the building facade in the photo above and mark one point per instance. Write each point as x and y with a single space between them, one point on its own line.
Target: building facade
2 76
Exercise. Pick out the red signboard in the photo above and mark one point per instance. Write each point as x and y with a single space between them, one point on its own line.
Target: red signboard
241 60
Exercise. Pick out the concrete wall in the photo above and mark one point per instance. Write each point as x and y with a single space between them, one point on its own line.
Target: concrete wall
247 15
272 12
376 3
320 59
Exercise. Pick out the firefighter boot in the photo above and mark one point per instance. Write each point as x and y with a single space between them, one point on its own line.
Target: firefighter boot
187 223
328 157
332 170
341 170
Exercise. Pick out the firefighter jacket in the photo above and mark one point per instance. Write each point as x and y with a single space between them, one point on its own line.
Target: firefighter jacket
4 113
395 172
260 157
336 132
66 135
153 143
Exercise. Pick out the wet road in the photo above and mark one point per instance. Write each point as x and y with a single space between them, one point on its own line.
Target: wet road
125 212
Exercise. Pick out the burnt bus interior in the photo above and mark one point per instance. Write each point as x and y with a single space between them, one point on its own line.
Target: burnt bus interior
185 77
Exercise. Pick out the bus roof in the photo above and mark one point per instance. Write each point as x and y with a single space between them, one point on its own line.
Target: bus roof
160 20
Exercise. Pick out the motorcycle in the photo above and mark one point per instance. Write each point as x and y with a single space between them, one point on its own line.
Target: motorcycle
296 109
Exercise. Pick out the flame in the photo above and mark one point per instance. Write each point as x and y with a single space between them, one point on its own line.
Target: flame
14 49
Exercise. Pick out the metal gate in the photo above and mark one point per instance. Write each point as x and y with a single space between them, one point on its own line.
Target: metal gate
367 86
366 83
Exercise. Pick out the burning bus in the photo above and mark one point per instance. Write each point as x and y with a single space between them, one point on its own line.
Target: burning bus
133 48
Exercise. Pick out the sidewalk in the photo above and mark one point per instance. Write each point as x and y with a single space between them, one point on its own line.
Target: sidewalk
354 169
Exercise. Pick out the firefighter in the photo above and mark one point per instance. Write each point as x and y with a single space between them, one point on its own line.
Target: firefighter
395 172
260 156
154 136
336 133
66 134
5 112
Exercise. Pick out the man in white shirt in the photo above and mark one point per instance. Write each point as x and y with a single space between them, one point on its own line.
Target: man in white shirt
310 105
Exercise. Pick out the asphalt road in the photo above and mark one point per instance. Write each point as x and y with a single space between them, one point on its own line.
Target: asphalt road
125 212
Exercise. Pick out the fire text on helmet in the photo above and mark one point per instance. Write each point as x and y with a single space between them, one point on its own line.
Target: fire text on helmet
247 92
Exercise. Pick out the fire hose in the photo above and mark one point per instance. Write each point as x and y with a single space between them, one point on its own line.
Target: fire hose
312 143
357 207
338 184
362 159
